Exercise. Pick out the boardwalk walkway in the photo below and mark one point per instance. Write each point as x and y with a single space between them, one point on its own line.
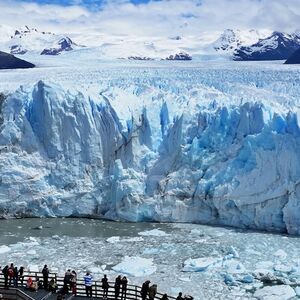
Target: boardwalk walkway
133 291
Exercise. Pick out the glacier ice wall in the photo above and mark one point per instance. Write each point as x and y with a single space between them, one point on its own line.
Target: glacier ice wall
150 151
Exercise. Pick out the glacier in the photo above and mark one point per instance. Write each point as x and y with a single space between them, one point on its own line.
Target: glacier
212 146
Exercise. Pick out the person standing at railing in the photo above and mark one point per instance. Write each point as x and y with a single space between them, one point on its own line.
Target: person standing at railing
179 297
21 275
5 274
73 282
105 286
117 287
124 283
165 297
11 273
152 291
88 282
145 289
15 278
45 272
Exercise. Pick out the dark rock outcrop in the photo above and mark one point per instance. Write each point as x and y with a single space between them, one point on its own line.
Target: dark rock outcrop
8 61
294 58
180 56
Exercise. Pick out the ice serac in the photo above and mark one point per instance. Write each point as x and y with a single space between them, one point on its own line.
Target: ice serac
150 152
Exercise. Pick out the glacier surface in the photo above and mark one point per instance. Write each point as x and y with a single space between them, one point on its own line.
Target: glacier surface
154 143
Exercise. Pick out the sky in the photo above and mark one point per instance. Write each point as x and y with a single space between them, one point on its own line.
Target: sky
151 17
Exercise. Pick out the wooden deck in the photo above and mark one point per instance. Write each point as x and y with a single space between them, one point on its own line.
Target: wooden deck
133 291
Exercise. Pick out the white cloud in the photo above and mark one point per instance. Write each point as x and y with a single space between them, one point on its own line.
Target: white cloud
155 18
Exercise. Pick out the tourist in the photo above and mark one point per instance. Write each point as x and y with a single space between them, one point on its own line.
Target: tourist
68 276
5 274
145 289
45 272
124 283
117 287
11 273
105 286
179 297
39 283
31 285
164 297
52 286
73 282
152 291
88 282
21 275
15 278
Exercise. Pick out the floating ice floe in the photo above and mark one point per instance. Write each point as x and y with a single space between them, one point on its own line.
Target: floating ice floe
133 239
4 249
96 270
151 251
113 239
281 254
153 232
200 264
277 292
31 252
135 266
33 268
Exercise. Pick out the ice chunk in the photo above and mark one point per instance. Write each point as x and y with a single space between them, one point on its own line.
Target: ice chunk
133 239
113 239
151 251
229 279
277 292
153 232
135 266
281 254
4 249
31 252
33 268
199 264
248 278
234 252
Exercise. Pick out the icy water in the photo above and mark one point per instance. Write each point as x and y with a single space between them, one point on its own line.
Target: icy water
100 245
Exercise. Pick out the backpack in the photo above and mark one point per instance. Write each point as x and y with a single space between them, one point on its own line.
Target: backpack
10 272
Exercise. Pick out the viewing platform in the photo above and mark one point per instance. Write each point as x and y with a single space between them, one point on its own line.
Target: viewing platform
21 293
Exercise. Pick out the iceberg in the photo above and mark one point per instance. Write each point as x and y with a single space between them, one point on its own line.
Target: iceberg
277 292
135 266
148 148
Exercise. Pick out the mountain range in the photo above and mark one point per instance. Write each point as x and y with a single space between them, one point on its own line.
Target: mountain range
231 44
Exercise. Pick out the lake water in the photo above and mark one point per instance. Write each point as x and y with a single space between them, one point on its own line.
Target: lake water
97 245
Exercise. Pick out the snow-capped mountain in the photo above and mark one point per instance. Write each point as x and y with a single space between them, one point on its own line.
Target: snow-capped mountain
277 46
231 40
23 40
64 44
230 44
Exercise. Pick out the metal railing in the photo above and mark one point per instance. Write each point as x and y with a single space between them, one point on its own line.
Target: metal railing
133 292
